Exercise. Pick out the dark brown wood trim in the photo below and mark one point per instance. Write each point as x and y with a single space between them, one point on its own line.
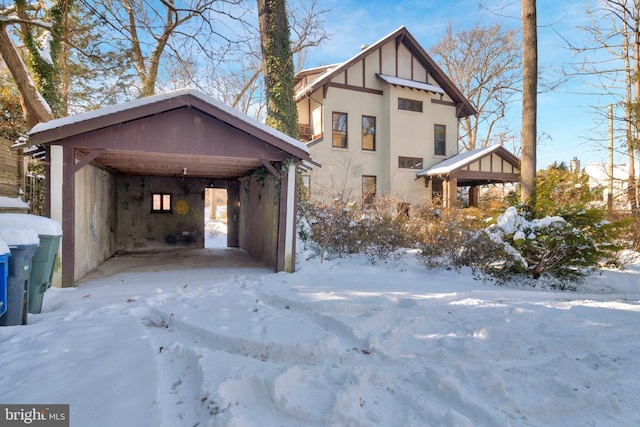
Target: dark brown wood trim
412 76
441 102
68 216
47 182
267 164
488 176
398 42
357 88
87 159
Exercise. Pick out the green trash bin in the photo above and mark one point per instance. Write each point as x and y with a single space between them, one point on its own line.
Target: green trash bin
22 243
5 253
44 261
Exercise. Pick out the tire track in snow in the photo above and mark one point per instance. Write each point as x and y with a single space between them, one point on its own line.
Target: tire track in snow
328 323
180 378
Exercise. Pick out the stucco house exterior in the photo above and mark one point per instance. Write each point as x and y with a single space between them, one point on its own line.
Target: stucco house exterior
380 120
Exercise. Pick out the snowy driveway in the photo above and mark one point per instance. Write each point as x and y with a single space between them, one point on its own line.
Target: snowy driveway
334 344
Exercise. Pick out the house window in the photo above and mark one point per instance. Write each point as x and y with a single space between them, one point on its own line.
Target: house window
368 189
409 105
339 130
369 133
439 144
161 203
410 162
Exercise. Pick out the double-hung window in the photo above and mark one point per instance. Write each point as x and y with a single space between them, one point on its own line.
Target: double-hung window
439 140
368 133
339 130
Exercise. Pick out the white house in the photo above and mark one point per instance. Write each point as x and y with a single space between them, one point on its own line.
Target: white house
379 121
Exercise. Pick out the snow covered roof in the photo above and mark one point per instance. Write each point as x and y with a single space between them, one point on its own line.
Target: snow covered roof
397 81
38 133
459 160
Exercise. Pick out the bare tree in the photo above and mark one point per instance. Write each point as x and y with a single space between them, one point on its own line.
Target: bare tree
529 99
484 62
610 58
151 31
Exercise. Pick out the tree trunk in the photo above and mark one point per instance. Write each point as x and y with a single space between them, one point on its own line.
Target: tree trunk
277 62
36 109
529 99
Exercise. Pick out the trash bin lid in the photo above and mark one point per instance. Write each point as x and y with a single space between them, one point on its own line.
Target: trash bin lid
19 236
4 249
42 225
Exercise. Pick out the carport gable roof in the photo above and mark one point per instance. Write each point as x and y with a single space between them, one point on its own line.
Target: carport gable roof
459 166
58 129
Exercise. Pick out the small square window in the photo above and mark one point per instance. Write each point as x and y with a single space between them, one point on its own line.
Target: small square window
410 162
161 203
410 105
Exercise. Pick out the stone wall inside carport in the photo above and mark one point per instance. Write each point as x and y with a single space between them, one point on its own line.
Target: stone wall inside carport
95 218
139 229
258 222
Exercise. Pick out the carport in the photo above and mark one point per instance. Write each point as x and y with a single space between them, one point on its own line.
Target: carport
131 177
490 165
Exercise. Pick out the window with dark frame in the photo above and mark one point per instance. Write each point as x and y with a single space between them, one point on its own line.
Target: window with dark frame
439 140
410 162
409 105
368 189
339 130
161 203
368 133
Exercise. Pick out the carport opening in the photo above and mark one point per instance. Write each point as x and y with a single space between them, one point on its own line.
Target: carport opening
215 218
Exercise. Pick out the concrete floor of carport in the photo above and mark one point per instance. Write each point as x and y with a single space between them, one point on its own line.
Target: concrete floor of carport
179 259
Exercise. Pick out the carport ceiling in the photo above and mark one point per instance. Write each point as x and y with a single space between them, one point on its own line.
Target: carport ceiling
160 164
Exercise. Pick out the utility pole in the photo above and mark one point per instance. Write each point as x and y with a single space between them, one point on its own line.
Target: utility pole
610 189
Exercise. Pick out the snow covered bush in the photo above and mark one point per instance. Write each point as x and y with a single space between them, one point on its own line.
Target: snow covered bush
561 252
336 229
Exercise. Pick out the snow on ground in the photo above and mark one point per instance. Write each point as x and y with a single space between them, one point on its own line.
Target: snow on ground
340 343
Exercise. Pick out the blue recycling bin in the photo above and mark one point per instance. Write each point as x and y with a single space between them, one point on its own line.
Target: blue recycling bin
22 244
5 253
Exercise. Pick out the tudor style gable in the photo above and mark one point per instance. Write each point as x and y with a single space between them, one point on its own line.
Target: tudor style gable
374 119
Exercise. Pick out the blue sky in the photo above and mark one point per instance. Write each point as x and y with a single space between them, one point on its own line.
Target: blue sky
566 117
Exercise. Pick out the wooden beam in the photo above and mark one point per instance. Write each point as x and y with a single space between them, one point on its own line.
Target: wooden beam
68 216
267 164
87 159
